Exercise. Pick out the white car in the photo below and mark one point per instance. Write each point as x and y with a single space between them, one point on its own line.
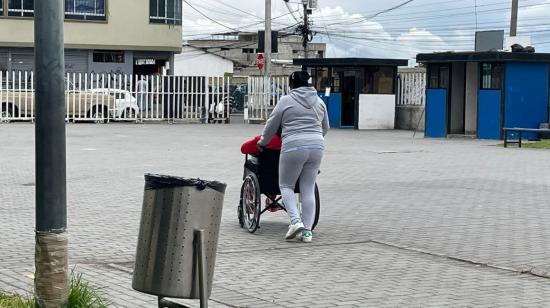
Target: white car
125 105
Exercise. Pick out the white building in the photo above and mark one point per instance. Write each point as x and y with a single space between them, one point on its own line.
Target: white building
194 61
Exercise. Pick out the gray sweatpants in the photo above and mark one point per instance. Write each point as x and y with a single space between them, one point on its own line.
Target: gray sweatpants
303 164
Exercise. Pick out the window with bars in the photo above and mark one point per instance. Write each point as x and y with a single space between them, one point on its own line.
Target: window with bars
22 8
491 76
85 9
108 56
165 11
438 76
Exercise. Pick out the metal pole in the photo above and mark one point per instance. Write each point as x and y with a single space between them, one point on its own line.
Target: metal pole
306 30
51 261
201 267
267 39
514 18
267 53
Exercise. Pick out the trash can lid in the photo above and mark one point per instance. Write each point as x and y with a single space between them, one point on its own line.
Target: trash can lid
157 181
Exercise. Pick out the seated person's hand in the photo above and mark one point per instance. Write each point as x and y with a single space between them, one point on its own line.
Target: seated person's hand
258 144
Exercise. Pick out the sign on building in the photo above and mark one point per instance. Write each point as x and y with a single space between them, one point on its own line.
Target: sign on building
260 61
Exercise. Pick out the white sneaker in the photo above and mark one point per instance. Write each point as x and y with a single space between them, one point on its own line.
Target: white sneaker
294 229
306 236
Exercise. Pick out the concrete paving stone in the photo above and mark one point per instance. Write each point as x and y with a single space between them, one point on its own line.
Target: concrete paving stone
463 199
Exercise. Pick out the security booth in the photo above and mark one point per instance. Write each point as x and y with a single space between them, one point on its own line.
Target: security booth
360 93
479 93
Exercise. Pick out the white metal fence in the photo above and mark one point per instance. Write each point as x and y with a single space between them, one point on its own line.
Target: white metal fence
263 95
411 88
117 97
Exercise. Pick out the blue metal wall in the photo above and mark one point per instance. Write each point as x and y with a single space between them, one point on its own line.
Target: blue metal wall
436 113
488 118
334 107
526 95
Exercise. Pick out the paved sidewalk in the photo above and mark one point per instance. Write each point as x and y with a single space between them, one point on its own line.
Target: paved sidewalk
404 223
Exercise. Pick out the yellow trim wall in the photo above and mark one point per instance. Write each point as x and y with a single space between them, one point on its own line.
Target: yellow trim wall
127 28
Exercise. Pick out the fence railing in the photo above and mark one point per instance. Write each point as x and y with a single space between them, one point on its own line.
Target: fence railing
263 95
411 88
118 97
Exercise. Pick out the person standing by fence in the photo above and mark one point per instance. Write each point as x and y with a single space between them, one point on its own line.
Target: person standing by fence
302 119
141 90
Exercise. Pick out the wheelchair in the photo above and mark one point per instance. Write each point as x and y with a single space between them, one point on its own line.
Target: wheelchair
261 177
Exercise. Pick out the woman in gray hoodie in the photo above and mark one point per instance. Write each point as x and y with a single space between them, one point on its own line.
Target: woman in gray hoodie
303 120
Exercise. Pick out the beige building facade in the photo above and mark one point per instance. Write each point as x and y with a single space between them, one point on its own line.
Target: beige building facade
101 36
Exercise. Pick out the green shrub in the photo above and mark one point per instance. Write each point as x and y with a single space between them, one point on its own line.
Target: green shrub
15 301
81 295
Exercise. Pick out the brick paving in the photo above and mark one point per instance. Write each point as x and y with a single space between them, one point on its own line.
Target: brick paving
405 222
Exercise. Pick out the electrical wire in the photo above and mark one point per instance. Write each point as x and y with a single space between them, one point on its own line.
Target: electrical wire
207 17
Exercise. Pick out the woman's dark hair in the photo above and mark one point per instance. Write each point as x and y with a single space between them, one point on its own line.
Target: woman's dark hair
299 79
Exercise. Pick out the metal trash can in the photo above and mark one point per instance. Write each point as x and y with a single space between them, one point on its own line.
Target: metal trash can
173 208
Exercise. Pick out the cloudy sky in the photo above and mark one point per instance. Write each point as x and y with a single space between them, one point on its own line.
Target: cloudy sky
369 28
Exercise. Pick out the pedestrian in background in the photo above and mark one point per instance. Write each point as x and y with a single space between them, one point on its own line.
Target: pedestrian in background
142 87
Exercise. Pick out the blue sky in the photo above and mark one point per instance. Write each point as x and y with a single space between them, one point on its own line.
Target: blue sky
357 28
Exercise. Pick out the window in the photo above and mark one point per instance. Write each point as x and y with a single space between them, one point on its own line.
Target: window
378 80
85 9
491 76
108 56
248 50
1 8
23 8
336 81
165 11
320 78
438 76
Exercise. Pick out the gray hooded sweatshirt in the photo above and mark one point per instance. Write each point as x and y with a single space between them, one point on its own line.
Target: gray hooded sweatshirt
303 118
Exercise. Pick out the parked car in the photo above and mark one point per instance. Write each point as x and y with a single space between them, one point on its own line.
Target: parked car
125 104
80 105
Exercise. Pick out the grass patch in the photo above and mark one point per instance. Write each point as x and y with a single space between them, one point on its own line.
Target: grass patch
82 295
15 301
543 144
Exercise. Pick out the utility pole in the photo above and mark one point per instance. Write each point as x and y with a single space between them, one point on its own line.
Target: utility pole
51 281
514 18
305 31
267 39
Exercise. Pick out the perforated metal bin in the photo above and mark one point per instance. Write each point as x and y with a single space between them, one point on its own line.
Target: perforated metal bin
173 208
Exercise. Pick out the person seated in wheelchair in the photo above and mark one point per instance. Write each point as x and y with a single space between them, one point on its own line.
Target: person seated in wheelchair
251 147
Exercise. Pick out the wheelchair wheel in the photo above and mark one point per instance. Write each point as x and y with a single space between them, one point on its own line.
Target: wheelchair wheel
240 208
317 206
251 203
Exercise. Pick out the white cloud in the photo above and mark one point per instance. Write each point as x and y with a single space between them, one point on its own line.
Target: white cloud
356 36
353 35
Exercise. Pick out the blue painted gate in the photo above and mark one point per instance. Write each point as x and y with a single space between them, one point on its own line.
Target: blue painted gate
526 96
334 108
489 110
436 113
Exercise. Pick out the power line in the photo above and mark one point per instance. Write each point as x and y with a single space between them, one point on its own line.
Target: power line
211 19
422 12
422 16
242 28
